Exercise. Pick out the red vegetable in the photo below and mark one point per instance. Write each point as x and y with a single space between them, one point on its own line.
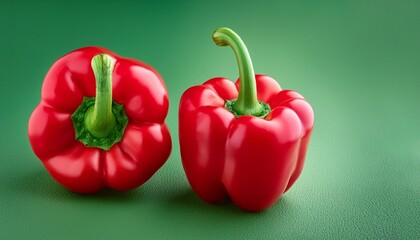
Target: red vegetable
100 122
249 145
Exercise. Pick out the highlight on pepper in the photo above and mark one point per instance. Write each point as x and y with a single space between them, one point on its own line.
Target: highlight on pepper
246 141
101 121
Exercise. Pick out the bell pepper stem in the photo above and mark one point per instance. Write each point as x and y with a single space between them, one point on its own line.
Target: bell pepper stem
247 102
99 119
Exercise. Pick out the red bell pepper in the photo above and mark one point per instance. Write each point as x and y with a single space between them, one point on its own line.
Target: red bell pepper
246 141
100 122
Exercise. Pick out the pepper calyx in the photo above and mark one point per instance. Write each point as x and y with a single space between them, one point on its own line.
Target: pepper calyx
264 112
90 140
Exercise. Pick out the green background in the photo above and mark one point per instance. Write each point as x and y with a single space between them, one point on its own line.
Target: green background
356 62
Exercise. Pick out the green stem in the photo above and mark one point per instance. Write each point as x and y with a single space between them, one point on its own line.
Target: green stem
99 119
247 102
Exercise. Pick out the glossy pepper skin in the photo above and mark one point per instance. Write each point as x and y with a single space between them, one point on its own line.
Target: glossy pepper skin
251 159
144 144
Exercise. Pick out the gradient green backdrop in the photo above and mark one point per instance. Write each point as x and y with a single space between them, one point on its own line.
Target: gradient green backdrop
356 62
